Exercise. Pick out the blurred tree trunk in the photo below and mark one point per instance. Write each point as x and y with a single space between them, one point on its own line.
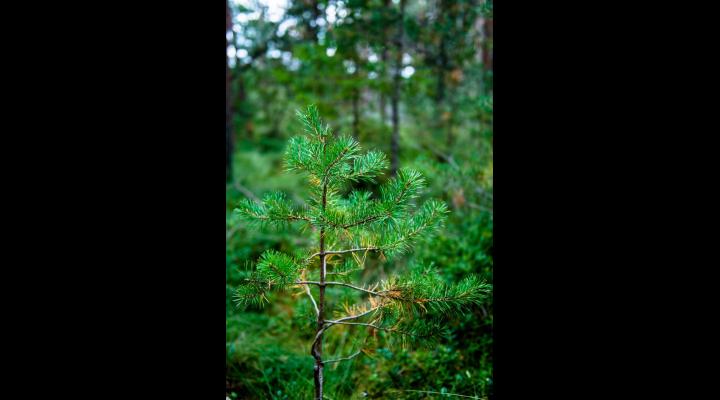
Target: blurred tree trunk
441 67
442 59
228 102
312 28
383 117
237 96
487 49
445 22
395 137
383 59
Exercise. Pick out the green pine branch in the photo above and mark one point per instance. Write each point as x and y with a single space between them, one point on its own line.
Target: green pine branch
274 208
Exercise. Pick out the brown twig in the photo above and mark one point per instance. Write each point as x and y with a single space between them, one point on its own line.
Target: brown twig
343 358
341 284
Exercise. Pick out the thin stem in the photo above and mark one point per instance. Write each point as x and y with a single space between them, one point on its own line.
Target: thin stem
328 324
444 394
343 358
288 218
316 349
246 191
344 273
352 250
380 293
341 284
307 290
373 326
231 232
352 316
332 164
364 221
318 334
345 251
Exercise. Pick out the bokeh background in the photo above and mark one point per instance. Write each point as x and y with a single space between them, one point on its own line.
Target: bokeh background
413 78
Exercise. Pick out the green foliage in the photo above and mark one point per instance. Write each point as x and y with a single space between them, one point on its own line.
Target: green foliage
429 291
354 221
368 166
275 208
399 236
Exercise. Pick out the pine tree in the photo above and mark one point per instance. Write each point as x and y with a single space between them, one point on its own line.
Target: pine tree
349 226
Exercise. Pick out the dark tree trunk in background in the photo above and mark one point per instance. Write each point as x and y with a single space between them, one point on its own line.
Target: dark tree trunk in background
237 96
312 27
442 59
274 132
395 137
383 117
487 47
383 59
442 67
228 101
441 103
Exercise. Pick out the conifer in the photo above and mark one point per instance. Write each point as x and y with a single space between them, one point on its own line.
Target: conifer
349 225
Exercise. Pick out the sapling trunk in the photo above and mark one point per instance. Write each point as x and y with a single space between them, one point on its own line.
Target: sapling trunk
317 349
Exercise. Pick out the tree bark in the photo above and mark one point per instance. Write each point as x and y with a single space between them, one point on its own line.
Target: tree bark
395 137
487 47
383 117
316 351
383 59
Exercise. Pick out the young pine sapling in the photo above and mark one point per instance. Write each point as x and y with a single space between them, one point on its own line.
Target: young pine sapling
348 226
